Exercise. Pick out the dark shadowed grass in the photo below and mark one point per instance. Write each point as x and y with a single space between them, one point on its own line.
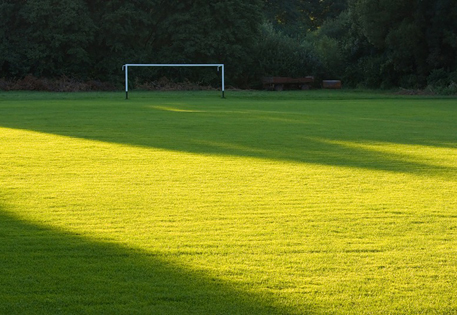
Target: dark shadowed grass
46 270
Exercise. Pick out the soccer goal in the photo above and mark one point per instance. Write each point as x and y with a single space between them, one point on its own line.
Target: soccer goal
126 69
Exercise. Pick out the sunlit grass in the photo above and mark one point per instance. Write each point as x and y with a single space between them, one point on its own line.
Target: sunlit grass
319 203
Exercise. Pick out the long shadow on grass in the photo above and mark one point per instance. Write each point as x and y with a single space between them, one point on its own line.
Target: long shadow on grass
320 131
45 271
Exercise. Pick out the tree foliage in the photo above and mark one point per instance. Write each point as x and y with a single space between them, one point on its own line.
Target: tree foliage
409 39
376 43
45 37
279 55
297 17
94 38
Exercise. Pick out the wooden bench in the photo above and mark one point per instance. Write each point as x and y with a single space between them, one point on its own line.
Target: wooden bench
281 83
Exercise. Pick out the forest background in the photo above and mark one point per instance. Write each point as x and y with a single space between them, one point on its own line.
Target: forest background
410 44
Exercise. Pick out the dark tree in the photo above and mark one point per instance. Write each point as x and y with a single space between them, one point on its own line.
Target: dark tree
410 38
297 17
45 37
94 38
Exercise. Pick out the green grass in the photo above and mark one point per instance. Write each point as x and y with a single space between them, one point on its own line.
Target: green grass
319 202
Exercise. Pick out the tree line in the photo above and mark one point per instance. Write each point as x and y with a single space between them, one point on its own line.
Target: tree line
369 43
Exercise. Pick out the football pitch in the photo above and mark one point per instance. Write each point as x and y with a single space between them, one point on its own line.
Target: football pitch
307 202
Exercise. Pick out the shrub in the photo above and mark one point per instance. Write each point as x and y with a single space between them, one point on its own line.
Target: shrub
279 55
441 81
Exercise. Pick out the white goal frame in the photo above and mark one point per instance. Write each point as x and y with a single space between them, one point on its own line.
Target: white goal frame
126 68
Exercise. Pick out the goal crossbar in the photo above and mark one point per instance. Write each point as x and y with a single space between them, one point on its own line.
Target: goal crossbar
126 69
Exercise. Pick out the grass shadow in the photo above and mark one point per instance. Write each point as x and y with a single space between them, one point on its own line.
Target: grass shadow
294 129
43 270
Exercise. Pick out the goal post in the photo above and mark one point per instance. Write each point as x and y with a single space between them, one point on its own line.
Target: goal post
126 69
